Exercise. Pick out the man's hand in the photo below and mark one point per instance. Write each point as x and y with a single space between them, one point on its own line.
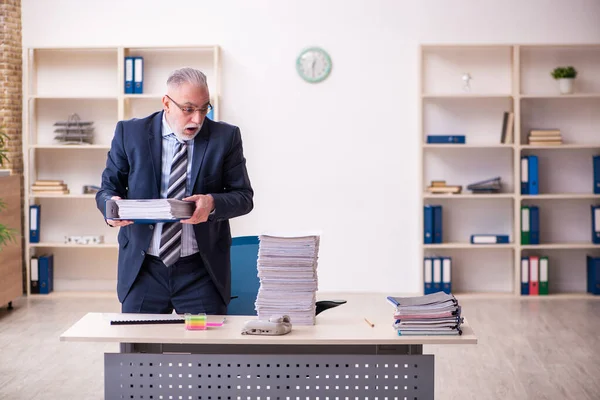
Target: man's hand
116 223
204 205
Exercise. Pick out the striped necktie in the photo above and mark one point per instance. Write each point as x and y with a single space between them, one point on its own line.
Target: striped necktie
170 239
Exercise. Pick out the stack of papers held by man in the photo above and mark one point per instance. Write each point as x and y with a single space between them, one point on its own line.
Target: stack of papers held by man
150 209
432 314
287 269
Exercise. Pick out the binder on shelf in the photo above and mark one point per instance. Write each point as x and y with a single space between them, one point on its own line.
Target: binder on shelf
46 273
428 275
446 139
34 277
596 162
543 286
524 275
129 75
437 224
593 275
595 224
138 75
524 175
525 228
34 223
534 225
437 274
489 239
533 175
447 274
428 224
534 265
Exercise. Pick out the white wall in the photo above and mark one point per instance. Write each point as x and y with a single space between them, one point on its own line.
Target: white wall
341 156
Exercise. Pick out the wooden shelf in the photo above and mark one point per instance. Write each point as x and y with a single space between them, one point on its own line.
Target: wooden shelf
62 196
560 196
561 96
560 246
57 84
466 96
72 97
467 146
570 146
468 246
143 96
70 146
77 246
469 196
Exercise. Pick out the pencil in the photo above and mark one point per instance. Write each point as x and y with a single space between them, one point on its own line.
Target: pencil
369 322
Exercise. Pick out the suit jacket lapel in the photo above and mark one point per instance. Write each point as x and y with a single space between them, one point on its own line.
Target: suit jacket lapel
155 146
200 145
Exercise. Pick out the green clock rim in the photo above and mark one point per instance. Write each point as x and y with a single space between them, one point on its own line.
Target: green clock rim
327 70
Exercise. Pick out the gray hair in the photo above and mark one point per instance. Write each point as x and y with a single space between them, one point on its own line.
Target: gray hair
187 75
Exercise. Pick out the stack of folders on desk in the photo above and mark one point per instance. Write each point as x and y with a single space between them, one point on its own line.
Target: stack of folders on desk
150 209
287 269
432 314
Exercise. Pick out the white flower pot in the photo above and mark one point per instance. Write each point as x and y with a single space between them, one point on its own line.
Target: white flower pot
565 85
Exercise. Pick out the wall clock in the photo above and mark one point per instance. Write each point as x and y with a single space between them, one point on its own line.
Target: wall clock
313 64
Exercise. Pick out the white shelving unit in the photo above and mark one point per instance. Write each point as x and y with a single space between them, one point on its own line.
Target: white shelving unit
90 82
511 77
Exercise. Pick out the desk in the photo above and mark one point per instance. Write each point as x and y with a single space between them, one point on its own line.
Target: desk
341 357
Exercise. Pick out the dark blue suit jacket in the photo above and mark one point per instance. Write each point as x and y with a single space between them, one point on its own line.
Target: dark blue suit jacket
133 171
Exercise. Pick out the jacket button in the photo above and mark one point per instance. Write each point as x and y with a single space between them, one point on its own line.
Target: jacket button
143 253
151 227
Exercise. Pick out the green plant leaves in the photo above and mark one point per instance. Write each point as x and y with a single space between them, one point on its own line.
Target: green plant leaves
564 72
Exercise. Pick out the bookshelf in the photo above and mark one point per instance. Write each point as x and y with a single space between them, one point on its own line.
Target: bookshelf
510 78
58 82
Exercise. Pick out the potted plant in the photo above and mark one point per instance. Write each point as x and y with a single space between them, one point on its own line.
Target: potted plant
565 77
6 233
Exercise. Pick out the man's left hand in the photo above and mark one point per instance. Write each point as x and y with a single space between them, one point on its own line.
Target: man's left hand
204 205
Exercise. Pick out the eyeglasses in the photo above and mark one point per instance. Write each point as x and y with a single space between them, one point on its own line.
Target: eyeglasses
186 110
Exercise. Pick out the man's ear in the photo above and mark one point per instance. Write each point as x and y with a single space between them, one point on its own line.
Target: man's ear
165 102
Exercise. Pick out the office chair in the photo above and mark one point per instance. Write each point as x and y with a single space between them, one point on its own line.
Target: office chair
245 282
244 278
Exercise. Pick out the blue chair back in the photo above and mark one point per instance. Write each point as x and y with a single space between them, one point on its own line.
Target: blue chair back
244 279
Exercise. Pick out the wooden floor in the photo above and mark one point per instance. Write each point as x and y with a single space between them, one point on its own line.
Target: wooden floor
528 349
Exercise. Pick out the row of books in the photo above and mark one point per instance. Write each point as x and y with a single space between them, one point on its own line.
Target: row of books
437 274
432 223
44 186
287 271
134 75
530 224
491 185
41 274
534 275
593 275
432 314
544 137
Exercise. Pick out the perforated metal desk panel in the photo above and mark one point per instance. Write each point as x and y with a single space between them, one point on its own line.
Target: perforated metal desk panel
341 357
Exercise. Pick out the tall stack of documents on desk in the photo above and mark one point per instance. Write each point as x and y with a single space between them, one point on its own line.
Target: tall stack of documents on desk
287 269
150 209
433 314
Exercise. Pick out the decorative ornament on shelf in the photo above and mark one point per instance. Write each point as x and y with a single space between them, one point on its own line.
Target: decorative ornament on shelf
466 82
74 131
565 77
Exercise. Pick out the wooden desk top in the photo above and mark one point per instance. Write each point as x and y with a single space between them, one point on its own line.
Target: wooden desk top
343 325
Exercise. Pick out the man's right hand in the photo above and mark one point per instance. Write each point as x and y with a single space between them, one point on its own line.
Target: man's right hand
115 223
